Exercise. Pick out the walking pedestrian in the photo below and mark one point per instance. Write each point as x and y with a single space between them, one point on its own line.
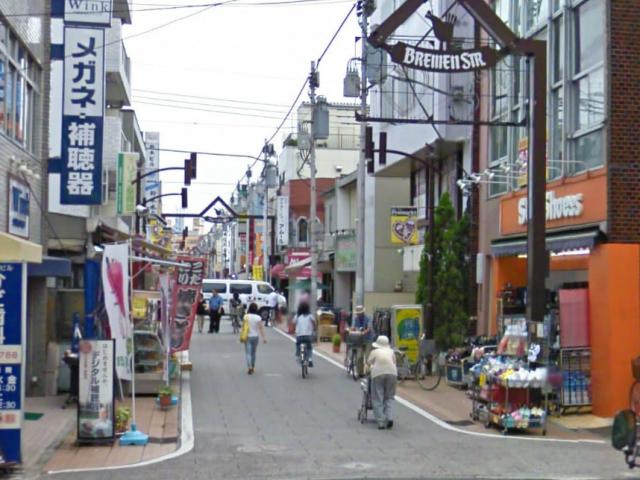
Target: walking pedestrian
256 330
384 375
201 312
272 301
215 307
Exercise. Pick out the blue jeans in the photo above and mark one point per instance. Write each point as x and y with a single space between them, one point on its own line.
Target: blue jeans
306 339
250 350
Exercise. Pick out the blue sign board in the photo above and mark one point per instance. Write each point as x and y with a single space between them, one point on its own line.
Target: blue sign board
11 358
82 116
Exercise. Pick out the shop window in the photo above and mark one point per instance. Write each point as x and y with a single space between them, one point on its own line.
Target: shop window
589 151
590 99
589 34
557 135
302 231
558 49
240 288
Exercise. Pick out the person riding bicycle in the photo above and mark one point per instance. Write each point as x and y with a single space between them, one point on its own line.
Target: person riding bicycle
305 327
237 310
362 323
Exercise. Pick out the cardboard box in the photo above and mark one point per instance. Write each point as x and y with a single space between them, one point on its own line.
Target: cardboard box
326 332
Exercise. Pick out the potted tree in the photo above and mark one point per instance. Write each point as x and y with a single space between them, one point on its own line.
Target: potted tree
336 341
123 415
165 395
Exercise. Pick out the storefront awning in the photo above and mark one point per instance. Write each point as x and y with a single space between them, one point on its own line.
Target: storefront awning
295 267
556 242
51 267
15 249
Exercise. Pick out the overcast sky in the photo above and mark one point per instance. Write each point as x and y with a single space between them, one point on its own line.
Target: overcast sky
227 55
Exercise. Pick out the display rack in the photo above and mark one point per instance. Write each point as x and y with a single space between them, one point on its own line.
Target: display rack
575 390
149 356
507 399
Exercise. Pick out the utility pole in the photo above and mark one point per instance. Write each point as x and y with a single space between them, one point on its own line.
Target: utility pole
265 226
360 232
313 84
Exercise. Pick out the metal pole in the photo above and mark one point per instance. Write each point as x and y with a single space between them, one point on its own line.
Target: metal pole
536 249
313 306
360 233
265 225
138 195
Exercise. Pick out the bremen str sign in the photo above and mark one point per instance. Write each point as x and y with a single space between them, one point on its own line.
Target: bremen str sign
443 61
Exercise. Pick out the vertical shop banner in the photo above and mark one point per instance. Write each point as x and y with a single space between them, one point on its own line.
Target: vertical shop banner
165 320
19 204
282 219
407 329
12 338
96 370
115 283
404 230
186 291
82 116
125 189
345 256
95 12
258 272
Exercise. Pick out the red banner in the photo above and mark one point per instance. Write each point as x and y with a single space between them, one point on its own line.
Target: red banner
187 288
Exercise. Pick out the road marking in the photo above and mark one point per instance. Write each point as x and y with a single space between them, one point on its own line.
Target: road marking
186 437
441 423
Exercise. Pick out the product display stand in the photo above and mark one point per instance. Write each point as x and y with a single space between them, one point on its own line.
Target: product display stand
575 392
508 390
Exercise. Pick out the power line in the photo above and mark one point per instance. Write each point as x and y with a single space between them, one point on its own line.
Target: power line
230 100
158 27
202 104
178 107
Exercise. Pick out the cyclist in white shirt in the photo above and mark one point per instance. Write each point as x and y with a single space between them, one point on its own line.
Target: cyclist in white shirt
305 327
272 300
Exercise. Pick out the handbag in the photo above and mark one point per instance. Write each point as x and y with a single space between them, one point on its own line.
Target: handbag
244 332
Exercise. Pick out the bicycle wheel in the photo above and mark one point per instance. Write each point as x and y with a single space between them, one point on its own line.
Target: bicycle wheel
634 398
354 364
428 373
305 369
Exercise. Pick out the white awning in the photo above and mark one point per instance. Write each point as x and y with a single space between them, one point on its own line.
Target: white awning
294 267
16 249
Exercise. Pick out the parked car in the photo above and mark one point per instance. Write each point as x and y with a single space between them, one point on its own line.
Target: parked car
248 290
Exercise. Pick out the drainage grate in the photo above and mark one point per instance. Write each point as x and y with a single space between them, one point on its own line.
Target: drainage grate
460 423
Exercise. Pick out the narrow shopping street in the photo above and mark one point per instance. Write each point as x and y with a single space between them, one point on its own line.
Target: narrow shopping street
274 424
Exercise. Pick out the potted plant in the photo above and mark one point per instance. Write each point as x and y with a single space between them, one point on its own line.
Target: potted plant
165 395
336 340
123 415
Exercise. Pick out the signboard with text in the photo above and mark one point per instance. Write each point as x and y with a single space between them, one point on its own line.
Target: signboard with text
12 324
404 230
82 116
282 219
345 256
18 212
95 12
125 189
96 371
187 288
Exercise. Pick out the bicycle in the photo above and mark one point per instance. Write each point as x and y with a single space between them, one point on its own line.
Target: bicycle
304 361
426 371
354 341
624 434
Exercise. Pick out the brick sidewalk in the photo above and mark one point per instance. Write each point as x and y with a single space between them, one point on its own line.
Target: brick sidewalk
452 406
161 425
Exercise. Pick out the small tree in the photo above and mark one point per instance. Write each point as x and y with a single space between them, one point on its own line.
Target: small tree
450 295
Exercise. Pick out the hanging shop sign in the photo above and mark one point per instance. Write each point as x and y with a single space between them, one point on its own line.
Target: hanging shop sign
282 226
95 12
258 272
188 285
125 188
345 256
82 116
12 338
115 284
403 225
96 395
18 211
572 203
448 61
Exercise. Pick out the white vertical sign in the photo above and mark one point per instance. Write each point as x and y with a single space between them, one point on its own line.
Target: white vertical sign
282 227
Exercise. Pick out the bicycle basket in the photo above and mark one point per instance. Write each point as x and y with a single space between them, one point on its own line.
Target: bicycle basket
354 339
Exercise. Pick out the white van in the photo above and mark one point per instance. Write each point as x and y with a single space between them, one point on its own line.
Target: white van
248 290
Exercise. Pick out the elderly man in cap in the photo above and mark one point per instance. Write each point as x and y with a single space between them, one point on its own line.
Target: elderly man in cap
362 323
384 374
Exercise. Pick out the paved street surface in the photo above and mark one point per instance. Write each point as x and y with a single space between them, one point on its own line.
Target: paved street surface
275 425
